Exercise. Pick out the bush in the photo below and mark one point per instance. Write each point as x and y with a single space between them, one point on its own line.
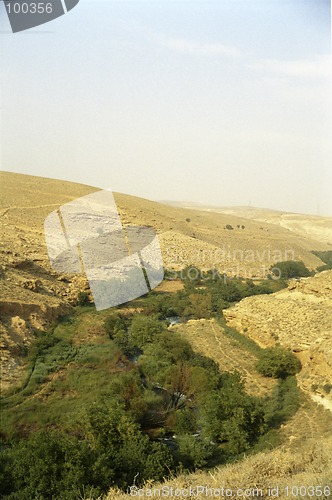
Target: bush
200 306
115 323
290 269
122 448
47 465
283 403
325 256
193 453
83 299
143 330
231 417
277 362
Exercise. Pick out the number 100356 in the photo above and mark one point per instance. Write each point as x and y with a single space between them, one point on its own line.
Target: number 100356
28 8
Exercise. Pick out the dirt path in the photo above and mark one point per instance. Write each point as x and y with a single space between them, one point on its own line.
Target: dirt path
29 207
311 421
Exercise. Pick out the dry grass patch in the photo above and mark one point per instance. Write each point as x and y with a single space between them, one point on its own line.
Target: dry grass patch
209 338
311 465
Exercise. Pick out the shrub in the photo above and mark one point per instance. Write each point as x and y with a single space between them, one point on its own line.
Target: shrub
290 269
231 417
115 323
143 330
325 256
83 299
277 362
193 453
47 465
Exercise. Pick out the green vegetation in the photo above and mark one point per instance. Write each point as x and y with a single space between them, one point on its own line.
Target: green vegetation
283 402
277 362
115 398
290 269
83 299
247 343
205 294
326 257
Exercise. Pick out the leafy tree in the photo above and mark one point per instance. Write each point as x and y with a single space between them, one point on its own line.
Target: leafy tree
231 417
128 388
45 466
185 383
161 357
277 362
200 306
123 449
144 330
185 421
192 452
208 364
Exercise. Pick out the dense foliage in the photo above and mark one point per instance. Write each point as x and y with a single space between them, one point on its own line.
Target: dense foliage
137 403
278 362
290 269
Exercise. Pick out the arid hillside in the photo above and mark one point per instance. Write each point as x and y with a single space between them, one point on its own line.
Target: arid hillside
299 318
309 466
34 295
315 227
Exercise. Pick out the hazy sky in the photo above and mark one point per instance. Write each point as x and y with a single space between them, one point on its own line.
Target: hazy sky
220 102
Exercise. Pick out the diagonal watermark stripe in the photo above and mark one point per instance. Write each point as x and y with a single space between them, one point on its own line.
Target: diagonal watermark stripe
120 264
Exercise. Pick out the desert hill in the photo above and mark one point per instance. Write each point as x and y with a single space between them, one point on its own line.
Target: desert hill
299 318
34 295
315 227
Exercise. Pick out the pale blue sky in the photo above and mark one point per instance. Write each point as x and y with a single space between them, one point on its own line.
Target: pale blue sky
221 102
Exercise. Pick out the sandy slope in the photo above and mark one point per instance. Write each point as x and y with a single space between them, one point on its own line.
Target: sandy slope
34 295
300 318
311 226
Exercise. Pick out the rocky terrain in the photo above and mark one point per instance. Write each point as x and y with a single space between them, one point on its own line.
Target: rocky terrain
33 295
315 227
299 318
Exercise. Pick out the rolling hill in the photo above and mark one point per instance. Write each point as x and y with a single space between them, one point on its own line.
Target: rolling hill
315 227
34 295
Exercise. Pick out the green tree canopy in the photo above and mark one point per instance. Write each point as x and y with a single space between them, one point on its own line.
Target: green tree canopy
277 362
144 330
290 269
